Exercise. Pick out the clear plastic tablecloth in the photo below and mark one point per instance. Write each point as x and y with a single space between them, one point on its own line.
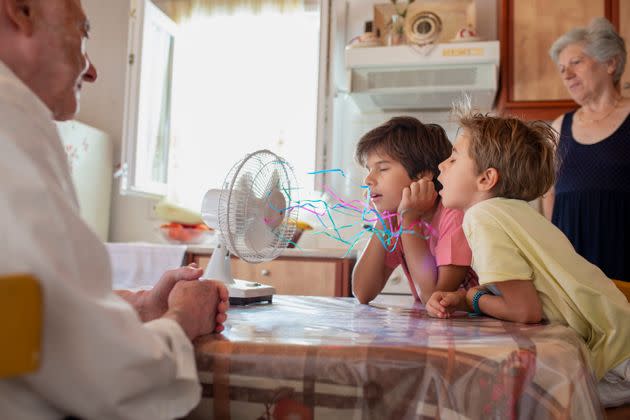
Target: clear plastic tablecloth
316 357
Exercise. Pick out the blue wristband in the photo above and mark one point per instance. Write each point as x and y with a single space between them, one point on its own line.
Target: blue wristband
475 300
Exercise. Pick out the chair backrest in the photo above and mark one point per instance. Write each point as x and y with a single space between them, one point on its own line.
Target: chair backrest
21 319
624 286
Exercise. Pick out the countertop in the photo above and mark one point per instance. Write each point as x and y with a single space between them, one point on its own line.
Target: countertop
340 253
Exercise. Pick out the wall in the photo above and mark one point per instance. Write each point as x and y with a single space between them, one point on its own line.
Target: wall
102 103
102 107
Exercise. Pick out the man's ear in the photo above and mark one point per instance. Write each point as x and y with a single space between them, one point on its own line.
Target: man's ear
20 14
487 180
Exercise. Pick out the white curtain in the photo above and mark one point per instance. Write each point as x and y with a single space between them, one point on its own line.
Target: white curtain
180 10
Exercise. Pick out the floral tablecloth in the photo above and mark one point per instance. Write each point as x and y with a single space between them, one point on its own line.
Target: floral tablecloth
316 357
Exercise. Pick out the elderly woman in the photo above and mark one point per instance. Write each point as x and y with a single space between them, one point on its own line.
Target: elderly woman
590 202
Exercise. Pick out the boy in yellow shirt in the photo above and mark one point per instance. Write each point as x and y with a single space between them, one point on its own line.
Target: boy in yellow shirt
528 270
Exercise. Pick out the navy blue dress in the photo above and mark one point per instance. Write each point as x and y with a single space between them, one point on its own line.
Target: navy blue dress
592 198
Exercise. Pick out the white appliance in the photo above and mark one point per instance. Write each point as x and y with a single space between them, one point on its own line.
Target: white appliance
255 214
408 77
89 154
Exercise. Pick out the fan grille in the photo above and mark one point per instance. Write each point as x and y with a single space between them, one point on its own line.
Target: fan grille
257 217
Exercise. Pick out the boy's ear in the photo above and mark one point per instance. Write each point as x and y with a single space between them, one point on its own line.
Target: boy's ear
20 15
488 179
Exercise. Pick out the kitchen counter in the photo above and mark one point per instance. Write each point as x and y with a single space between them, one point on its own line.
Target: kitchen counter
340 253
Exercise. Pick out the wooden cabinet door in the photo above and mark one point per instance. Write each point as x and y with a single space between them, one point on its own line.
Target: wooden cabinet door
308 278
295 276
530 83
621 13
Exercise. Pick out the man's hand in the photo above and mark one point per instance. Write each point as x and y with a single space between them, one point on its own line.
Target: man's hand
155 301
222 307
443 304
417 199
194 305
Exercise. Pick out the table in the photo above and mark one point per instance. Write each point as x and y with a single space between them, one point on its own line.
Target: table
320 357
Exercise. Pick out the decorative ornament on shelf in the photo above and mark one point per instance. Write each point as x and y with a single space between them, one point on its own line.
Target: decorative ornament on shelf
396 26
423 27
467 34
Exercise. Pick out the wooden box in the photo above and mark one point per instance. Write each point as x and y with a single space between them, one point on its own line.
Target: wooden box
455 15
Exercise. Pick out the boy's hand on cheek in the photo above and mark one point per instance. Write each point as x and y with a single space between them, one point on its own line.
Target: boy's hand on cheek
417 199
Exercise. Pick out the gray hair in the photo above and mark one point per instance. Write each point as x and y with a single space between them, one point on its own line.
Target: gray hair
602 42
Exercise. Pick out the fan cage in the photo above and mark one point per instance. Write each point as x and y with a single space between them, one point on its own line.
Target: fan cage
237 209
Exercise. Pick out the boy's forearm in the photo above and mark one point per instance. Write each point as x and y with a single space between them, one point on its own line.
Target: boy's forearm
420 262
498 307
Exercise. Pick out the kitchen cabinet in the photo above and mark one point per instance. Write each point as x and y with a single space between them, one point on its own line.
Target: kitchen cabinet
293 275
531 87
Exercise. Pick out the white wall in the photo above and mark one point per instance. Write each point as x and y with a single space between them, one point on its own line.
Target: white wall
102 107
102 102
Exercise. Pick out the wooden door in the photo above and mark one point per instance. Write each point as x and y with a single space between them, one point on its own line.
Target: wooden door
530 83
621 16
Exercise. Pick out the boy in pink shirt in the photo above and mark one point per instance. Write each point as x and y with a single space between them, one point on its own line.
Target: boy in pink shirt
402 158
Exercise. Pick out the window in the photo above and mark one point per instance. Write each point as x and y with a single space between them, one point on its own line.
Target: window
240 82
147 132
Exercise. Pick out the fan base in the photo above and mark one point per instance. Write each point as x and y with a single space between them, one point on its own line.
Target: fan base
243 292
240 301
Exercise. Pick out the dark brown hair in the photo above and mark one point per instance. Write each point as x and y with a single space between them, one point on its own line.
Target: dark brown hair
523 153
418 147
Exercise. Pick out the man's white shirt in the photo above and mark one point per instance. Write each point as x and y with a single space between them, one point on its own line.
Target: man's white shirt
98 361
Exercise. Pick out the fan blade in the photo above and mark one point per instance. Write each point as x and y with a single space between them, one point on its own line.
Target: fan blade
239 219
259 236
274 201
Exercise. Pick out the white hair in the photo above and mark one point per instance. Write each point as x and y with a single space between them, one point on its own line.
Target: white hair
601 42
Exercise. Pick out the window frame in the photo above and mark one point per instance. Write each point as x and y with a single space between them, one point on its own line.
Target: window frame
137 20
140 12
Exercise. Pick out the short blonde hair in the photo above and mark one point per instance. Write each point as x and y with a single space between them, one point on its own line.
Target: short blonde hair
523 153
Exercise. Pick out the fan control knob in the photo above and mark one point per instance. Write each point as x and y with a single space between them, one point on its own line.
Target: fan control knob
264 272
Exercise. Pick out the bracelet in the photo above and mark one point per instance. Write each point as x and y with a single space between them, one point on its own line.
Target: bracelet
413 224
475 300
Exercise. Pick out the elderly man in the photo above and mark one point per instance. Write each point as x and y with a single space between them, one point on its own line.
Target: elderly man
105 355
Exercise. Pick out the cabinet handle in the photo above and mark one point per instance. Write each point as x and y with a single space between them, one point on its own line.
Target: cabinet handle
626 85
264 272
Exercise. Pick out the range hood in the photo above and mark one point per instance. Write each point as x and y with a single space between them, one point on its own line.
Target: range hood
407 78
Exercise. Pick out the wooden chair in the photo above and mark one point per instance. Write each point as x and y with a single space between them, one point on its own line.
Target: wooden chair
21 315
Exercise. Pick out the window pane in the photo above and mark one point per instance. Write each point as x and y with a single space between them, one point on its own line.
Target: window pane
242 83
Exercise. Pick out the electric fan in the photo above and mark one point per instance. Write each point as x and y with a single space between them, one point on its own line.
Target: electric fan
255 218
